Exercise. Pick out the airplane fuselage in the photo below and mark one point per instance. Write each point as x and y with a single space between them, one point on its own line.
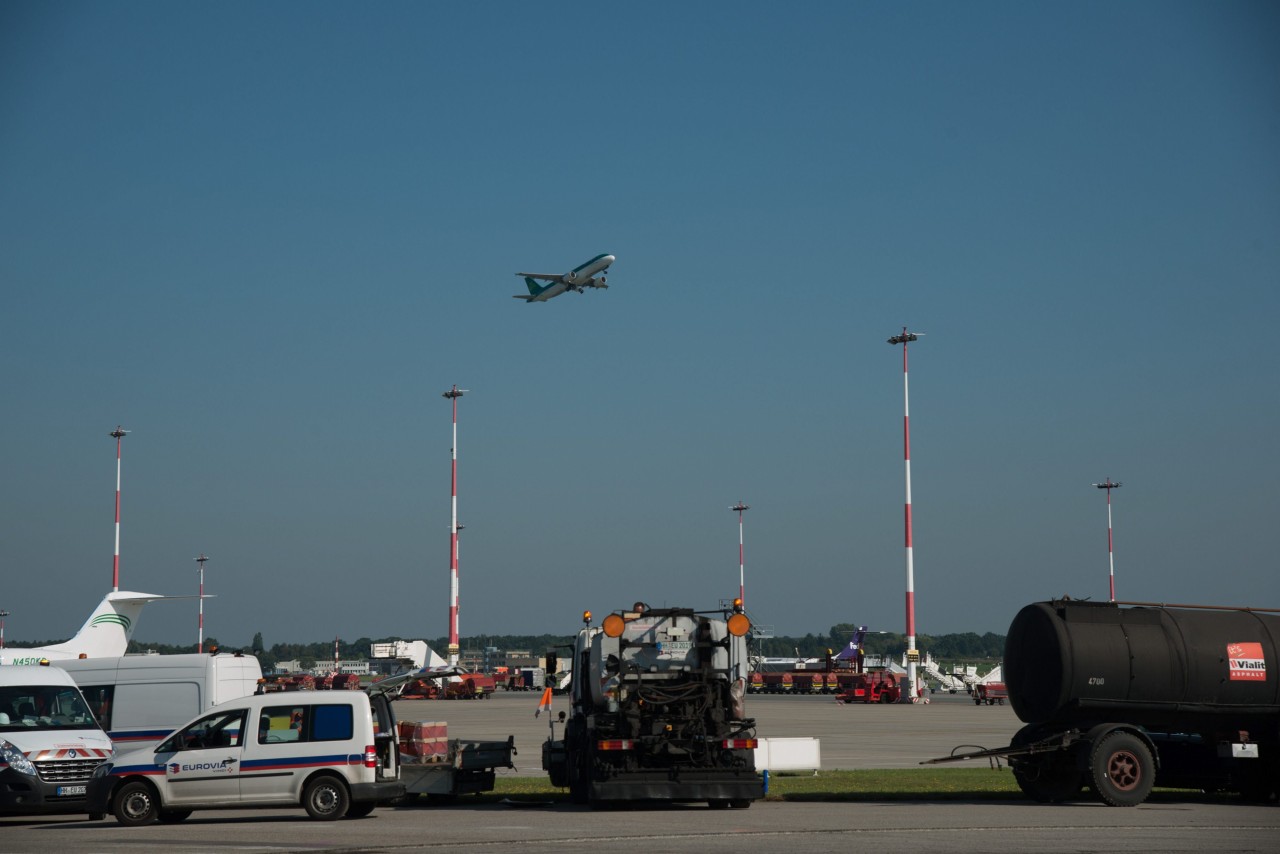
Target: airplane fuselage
580 277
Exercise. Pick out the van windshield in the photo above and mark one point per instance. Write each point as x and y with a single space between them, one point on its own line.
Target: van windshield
24 708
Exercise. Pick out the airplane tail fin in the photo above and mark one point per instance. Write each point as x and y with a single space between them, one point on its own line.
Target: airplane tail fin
107 631
535 290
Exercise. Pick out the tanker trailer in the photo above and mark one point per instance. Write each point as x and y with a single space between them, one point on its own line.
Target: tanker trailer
1120 699
657 711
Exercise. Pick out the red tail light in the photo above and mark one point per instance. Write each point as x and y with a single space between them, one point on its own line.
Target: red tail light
740 743
616 744
370 756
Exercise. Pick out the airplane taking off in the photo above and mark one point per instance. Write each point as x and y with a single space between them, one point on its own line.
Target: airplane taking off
583 276
105 634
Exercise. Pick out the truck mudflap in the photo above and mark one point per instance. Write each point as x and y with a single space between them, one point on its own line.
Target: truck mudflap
686 785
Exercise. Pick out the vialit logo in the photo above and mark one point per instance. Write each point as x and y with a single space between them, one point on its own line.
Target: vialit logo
112 620
1246 662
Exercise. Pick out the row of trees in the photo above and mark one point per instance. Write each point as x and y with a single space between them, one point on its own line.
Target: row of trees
966 647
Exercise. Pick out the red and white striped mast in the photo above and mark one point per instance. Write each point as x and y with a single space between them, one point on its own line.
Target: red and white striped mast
1111 559
117 434
742 594
453 394
913 655
200 638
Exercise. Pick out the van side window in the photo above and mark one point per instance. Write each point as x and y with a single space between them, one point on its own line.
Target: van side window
279 724
221 729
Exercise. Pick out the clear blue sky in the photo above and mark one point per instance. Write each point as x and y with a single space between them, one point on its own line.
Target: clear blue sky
265 237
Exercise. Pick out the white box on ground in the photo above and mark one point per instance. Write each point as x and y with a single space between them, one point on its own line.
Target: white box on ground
788 754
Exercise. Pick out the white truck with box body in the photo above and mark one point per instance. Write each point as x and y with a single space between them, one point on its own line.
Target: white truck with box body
50 743
140 699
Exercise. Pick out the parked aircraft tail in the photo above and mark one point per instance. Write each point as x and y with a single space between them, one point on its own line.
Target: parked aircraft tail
105 634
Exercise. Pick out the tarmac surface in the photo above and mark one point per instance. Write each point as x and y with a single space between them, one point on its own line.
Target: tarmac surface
852 737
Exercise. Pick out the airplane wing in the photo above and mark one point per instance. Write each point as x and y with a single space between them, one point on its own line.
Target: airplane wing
548 277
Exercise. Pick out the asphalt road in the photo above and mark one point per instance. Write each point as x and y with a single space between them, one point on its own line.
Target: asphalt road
851 737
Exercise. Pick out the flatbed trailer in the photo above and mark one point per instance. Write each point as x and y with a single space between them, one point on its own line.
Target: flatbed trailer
468 768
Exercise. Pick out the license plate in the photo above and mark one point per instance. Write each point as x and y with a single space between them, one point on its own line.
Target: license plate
675 646
64 791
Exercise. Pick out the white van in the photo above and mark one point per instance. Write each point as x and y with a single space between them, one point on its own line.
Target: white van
319 750
50 743
140 699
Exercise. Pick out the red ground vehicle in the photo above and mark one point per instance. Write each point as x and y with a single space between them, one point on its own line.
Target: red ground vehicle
874 687
990 693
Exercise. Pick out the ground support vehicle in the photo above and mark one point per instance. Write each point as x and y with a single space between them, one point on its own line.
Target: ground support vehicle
50 742
991 693
318 750
657 711
869 687
1120 699
335 753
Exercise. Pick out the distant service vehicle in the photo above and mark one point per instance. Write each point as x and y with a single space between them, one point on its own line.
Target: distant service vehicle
588 275
105 634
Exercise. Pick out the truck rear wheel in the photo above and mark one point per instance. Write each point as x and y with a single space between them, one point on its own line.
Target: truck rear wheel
1121 769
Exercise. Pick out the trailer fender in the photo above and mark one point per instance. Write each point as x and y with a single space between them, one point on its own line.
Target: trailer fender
1101 731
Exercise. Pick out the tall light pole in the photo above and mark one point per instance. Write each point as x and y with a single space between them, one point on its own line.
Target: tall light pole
453 394
3 614
200 642
740 507
913 655
1111 560
117 434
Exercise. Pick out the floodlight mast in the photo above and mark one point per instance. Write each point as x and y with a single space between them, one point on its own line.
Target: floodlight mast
913 655
453 394
1111 559
200 636
117 434
742 590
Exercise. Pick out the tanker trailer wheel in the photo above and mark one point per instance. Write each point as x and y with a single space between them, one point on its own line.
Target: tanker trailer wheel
1051 780
1121 769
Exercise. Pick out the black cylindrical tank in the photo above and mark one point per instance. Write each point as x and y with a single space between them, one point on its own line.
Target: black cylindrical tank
1067 662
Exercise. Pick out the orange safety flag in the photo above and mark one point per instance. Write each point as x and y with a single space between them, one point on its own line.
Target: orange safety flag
545 703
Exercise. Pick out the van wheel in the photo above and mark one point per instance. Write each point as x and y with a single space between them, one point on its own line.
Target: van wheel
361 809
135 804
325 798
174 816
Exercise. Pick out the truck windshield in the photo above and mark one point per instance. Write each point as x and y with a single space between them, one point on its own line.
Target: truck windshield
43 707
